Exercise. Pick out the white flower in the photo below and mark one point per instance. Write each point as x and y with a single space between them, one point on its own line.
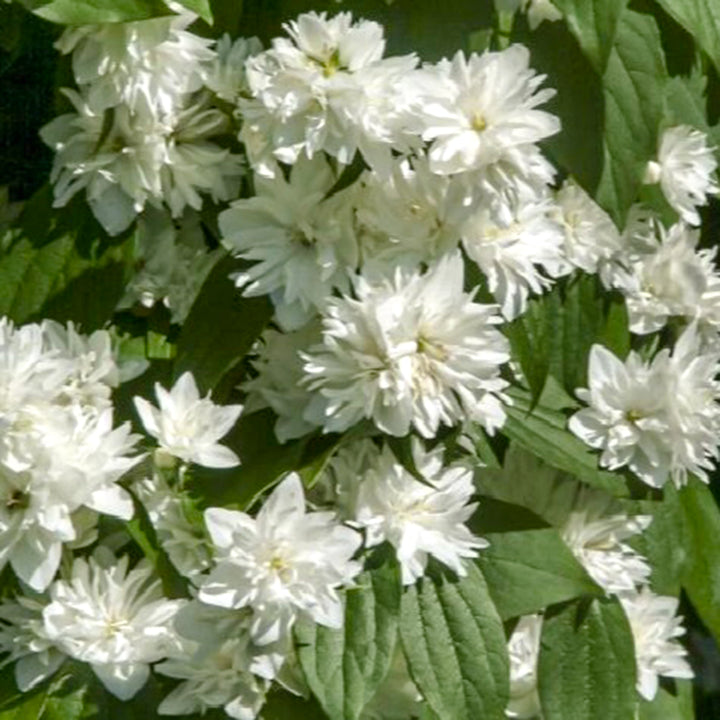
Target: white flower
590 235
660 418
185 542
523 651
215 659
596 539
540 10
59 453
139 159
23 637
173 264
278 382
214 679
537 10
655 627
409 217
188 426
328 89
667 276
518 246
684 169
192 164
302 246
281 563
115 620
411 352
626 418
694 406
149 64
94 370
117 169
484 111
418 519
204 629
226 76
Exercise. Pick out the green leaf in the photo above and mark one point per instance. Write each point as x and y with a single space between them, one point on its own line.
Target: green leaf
344 668
57 698
529 337
544 433
582 322
319 450
10 694
701 18
281 705
62 268
586 668
663 543
526 571
30 278
556 333
615 335
633 85
454 644
594 24
264 461
686 104
401 448
69 706
29 709
497 516
86 12
578 147
685 101
666 706
200 8
220 329
701 578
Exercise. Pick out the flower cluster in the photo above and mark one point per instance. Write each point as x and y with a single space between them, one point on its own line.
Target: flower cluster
399 219
660 418
60 457
142 127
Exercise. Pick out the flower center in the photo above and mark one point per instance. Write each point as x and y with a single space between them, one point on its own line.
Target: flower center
298 237
478 122
332 64
279 566
17 500
114 625
431 349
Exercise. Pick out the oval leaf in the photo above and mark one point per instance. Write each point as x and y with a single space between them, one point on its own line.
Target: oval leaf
87 12
586 668
528 570
220 329
454 644
345 667
544 433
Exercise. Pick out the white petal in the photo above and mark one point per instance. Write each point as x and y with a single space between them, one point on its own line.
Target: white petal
123 681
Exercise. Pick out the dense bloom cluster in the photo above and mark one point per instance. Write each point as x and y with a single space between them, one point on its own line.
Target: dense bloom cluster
280 563
660 418
397 221
419 518
60 457
684 168
141 128
411 351
117 621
